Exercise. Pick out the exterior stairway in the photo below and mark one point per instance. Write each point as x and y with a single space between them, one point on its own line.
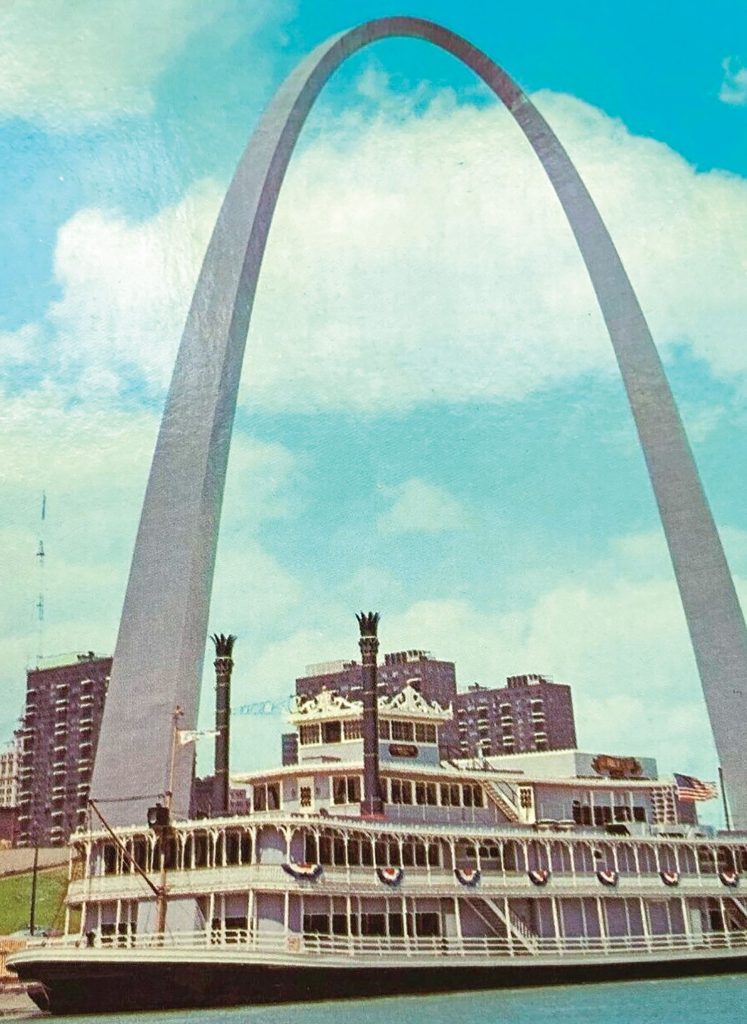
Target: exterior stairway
736 911
504 797
493 915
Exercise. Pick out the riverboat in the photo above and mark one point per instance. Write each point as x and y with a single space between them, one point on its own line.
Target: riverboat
537 868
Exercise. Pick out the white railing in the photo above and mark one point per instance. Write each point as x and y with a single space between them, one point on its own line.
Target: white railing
441 880
290 946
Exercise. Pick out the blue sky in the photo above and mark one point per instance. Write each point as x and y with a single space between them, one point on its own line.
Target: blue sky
430 420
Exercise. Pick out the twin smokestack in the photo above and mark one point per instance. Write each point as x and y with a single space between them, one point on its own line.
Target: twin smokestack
223 669
372 804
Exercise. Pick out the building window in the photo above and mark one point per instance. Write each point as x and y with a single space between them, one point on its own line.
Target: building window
384 730
305 796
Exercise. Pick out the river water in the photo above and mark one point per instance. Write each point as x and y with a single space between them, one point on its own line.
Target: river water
722 1000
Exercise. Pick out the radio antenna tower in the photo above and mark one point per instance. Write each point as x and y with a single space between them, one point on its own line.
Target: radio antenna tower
40 559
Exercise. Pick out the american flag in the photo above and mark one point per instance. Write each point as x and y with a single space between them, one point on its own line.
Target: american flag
690 788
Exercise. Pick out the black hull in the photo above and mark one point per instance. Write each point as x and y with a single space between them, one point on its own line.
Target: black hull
132 986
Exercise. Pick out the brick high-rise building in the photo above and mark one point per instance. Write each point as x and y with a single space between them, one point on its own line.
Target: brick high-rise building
530 713
58 738
436 680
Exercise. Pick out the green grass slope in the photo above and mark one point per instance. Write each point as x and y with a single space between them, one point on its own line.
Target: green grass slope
15 900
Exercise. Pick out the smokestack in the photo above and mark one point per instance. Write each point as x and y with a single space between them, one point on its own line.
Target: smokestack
223 669
371 805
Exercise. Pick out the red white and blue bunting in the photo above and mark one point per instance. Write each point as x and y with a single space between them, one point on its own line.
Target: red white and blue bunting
670 877
539 876
608 878
467 876
390 876
730 878
303 872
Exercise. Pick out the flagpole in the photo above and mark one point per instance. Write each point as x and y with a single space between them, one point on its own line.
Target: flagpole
723 797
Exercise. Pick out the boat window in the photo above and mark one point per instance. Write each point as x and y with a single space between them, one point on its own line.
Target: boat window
384 730
233 848
402 730
139 853
425 733
373 924
706 861
201 850
309 734
316 924
426 793
725 858
353 730
169 853
427 924
325 849
401 791
346 789
110 858
396 925
331 732
266 796
304 796
310 850
603 815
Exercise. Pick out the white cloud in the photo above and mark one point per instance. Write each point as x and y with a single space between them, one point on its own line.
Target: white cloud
126 287
85 61
616 634
73 63
21 346
424 258
420 507
734 85
92 460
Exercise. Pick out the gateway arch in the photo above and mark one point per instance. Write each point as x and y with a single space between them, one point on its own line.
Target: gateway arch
160 648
